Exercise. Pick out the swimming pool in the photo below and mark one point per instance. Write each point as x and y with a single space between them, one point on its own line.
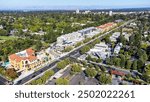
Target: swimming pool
5 64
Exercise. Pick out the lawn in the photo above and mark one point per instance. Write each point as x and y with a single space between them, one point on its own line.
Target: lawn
4 38
7 38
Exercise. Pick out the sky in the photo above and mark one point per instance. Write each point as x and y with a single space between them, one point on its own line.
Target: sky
17 4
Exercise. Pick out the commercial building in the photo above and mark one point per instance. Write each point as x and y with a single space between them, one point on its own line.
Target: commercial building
72 38
24 60
101 51
114 36
117 48
87 30
77 11
126 35
69 39
110 13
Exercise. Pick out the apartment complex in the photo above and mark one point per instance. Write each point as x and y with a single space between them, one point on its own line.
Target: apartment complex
24 60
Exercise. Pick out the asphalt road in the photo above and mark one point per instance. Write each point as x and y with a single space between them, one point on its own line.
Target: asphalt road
76 50
3 81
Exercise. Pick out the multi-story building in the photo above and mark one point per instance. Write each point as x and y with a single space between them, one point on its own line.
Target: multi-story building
110 13
117 48
115 36
101 51
72 38
24 60
107 26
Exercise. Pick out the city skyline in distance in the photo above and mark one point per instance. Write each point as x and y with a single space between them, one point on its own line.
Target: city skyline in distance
71 4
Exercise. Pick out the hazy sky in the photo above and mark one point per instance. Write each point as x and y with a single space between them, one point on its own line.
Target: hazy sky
50 3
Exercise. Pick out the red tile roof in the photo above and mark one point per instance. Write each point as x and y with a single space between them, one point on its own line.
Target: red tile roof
104 26
117 72
18 58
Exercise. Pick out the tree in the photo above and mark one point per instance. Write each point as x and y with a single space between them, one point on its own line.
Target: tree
62 81
134 65
90 72
62 64
3 32
88 58
99 60
49 73
104 78
108 61
116 61
147 69
146 78
67 49
11 73
123 60
140 65
128 64
78 44
107 40
2 71
122 39
103 68
76 68
84 49
145 57
38 45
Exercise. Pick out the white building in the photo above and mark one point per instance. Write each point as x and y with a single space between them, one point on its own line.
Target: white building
115 36
117 48
100 50
1 26
110 13
89 32
72 38
69 39
126 35
77 11
87 12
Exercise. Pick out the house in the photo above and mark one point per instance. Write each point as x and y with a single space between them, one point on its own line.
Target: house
13 32
101 51
117 48
24 60
107 26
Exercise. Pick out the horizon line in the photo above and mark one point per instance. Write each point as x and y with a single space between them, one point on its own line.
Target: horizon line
73 8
